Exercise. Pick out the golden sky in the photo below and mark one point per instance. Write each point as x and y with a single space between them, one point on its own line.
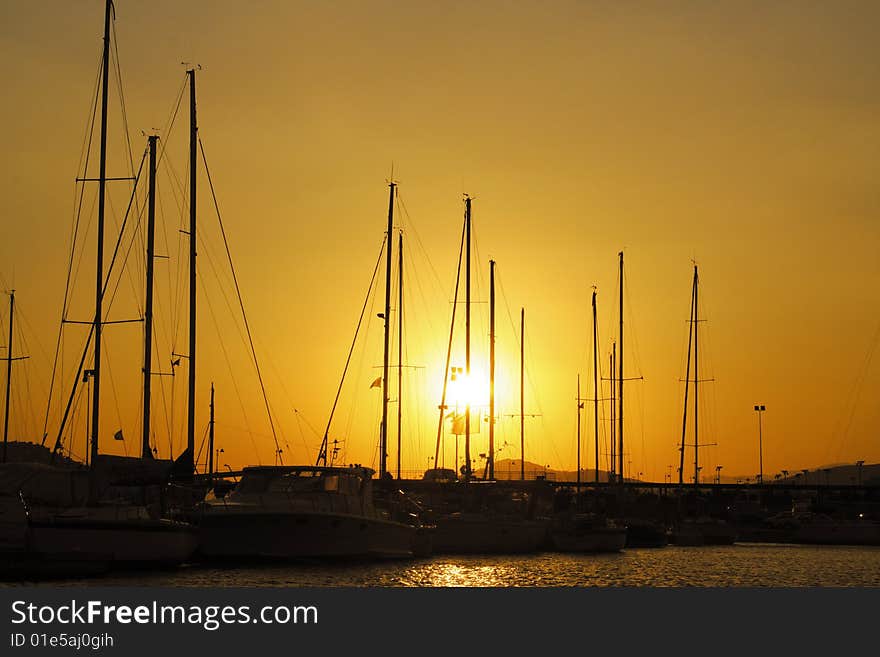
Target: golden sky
742 135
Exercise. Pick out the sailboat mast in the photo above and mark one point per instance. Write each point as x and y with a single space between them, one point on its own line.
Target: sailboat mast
491 369
696 379
620 380
596 384
99 267
383 441
578 401
613 413
442 405
193 144
467 324
687 376
8 374
522 394
399 345
148 312
211 437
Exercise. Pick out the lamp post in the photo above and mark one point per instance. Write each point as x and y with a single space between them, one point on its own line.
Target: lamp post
718 473
859 465
759 409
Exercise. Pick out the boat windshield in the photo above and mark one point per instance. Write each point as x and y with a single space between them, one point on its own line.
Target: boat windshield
309 482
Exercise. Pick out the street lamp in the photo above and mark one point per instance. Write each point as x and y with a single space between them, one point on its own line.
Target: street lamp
759 409
718 473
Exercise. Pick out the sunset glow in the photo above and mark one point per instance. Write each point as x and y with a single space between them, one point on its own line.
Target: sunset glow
714 133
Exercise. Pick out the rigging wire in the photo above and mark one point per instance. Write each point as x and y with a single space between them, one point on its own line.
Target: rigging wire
449 349
104 286
127 136
238 293
299 417
322 452
77 213
377 401
855 393
234 379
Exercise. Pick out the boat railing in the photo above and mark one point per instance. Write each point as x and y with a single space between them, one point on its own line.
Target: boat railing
25 505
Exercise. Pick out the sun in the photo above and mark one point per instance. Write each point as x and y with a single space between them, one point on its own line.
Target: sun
468 390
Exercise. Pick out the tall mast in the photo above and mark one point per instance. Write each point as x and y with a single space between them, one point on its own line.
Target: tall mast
211 437
8 374
99 267
148 313
442 405
696 380
522 394
193 144
399 345
613 413
491 369
596 384
687 376
579 406
620 380
383 442
467 324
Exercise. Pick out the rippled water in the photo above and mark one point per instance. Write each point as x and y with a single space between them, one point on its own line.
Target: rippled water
736 565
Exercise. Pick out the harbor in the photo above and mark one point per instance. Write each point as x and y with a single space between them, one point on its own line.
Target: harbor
403 380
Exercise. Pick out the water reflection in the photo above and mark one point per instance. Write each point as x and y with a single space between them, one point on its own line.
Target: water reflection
737 565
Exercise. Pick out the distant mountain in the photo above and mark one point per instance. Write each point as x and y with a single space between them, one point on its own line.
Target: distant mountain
510 469
833 475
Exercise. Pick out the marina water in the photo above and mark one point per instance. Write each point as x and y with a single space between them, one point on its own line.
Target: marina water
740 565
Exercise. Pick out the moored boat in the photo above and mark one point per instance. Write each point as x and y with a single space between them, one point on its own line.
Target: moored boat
821 529
642 533
702 531
49 525
586 532
486 517
290 512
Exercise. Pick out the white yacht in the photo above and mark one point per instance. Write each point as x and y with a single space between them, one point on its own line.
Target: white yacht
290 512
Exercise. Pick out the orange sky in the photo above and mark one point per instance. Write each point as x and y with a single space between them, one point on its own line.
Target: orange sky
742 135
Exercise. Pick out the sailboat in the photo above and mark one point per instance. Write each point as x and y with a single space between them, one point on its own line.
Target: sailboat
320 510
574 530
110 514
481 516
640 531
696 528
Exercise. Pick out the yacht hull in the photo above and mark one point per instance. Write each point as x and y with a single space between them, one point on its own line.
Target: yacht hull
487 535
589 540
124 543
293 535
698 534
